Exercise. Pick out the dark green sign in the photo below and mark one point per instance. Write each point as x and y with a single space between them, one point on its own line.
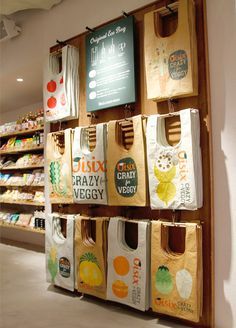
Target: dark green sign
110 76
126 177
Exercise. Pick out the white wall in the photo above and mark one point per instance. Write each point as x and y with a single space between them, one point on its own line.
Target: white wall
12 115
222 55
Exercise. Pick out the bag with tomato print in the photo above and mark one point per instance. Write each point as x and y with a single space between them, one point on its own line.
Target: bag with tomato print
60 250
59 165
91 255
128 268
176 278
60 89
89 164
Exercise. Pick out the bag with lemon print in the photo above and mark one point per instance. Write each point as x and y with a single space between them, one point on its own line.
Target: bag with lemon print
59 166
128 268
176 278
175 172
91 255
60 251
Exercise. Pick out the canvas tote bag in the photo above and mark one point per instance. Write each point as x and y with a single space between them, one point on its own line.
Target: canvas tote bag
59 164
128 269
175 172
89 167
126 168
60 251
60 89
171 62
91 256
176 279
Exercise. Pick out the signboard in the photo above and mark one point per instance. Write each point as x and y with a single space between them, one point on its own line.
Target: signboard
110 76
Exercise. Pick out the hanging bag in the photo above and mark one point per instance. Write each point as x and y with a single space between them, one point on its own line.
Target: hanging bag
91 256
176 279
175 172
126 168
89 167
59 165
60 251
128 269
60 90
171 62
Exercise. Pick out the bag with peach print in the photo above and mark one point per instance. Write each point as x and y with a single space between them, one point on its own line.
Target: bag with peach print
176 278
128 268
91 255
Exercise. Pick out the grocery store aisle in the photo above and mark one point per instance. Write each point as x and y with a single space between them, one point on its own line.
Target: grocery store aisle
27 301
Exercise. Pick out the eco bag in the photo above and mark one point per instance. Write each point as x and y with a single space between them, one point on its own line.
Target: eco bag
128 269
60 251
176 279
60 89
59 165
126 168
175 172
171 61
91 256
89 167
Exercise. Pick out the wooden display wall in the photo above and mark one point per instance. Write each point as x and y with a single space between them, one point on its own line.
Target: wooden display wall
147 107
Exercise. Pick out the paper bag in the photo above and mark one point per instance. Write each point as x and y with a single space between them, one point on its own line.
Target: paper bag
128 269
60 251
59 165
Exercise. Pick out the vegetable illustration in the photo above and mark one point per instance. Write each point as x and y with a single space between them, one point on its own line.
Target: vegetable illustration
51 86
89 270
52 102
120 289
52 263
61 80
164 282
63 99
121 265
165 190
184 283
55 178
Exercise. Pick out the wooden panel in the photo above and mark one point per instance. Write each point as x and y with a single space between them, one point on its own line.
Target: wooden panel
147 107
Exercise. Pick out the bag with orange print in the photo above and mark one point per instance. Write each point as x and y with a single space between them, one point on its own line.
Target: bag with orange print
128 268
91 255
89 166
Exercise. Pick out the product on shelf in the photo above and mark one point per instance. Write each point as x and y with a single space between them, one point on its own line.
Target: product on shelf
60 251
39 197
24 220
128 268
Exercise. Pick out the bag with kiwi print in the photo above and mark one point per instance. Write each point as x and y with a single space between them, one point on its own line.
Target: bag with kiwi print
59 166
175 172
176 278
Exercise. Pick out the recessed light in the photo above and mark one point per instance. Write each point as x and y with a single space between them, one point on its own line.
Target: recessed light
19 79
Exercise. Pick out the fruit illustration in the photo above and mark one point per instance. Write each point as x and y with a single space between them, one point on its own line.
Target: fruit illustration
165 190
121 265
184 283
120 289
55 178
63 99
61 80
89 270
51 86
52 263
52 102
164 282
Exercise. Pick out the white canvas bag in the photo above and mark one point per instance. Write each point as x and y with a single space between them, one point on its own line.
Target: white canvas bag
60 251
89 167
128 269
175 172
60 89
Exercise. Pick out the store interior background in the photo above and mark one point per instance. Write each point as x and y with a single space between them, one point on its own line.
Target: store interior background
24 57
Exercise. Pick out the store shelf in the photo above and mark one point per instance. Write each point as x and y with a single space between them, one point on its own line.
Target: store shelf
21 202
13 226
19 185
22 167
18 151
22 132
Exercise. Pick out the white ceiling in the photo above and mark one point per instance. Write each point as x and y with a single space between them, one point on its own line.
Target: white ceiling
23 56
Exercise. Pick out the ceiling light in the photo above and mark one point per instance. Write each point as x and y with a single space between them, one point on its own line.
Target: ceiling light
19 79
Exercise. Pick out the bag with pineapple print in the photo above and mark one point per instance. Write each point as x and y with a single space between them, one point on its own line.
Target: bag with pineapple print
59 165
176 278
128 268
126 166
91 255
171 61
175 172
89 165
60 250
